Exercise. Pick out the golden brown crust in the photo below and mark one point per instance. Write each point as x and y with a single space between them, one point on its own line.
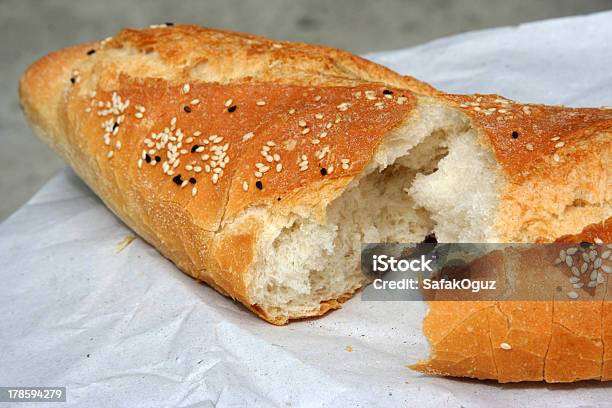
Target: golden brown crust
555 161
508 341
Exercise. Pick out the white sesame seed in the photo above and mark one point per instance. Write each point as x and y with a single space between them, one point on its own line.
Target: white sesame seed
554 139
258 174
194 191
556 158
215 178
260 103
529 146
305 131
559 145
319 115
109 154
88 109
140 163
279 167
291 111
245 186
572 295
195 101
302 123
505 346
598 241
315 141
197 133
228 103
317 98
186 88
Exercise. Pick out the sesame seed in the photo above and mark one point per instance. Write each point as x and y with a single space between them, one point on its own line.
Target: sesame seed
260 103
215 178
184 183
343 106
559 145
572 295
195 101
554 139
194 191
319 115
186 88
279 167
139 115
315 141
140 163
317 98
529 146
305 131
302 123
245 186
401 100
505 346
556 158
228 103
598 241
291 111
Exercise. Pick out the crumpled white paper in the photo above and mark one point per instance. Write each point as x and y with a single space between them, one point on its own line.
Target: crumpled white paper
128 329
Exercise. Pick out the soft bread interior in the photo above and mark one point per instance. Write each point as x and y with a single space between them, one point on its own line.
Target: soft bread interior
405 194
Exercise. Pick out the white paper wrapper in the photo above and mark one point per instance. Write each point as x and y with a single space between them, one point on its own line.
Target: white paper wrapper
127 329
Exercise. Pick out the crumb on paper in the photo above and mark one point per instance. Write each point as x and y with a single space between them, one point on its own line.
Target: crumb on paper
349 348
125 242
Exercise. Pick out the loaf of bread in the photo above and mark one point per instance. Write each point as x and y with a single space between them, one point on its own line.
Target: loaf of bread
260 167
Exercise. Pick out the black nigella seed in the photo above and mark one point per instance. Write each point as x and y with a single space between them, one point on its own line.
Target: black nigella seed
72 80
115 125
231 108
430 239
169 24
194 148
187 109
324 171
177 179
157 159
148 158
278 199
259 184
192 180
515 134
92 51
388 92
585 244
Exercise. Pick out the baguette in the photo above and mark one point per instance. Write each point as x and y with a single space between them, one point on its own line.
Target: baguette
260 166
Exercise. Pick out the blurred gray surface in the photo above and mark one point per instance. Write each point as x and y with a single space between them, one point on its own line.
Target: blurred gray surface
30 29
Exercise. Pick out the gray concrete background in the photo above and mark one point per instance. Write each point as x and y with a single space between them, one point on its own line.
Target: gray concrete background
30 29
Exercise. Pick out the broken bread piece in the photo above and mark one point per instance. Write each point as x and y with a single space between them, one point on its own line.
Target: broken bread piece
260 167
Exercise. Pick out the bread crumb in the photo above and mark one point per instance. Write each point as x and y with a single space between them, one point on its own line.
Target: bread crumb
124 243
349 348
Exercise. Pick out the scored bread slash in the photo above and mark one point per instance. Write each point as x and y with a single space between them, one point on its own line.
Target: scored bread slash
261 174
